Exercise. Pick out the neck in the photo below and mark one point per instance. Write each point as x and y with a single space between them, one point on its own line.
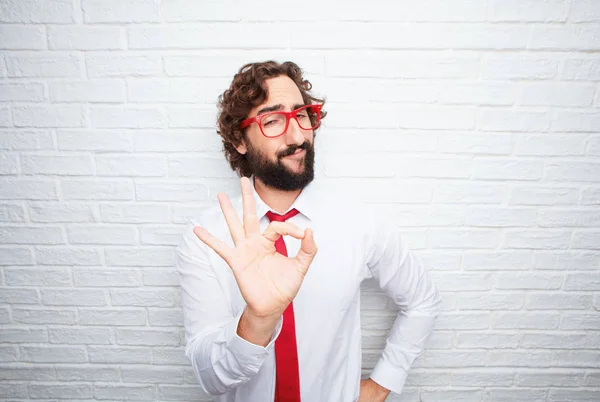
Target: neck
278 200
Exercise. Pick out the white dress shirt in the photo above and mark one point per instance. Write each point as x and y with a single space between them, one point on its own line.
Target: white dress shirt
355 243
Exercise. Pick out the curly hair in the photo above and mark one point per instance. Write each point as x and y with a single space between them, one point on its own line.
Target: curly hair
248 90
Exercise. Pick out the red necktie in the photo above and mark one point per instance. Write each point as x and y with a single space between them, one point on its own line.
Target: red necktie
287 378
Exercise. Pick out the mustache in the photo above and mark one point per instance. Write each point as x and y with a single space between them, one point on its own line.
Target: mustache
305 146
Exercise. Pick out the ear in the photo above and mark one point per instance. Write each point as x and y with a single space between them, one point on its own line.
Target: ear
241 148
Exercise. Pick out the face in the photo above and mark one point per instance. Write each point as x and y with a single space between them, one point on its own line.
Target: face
285 162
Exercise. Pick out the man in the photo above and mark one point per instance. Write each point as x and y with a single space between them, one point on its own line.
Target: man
269 315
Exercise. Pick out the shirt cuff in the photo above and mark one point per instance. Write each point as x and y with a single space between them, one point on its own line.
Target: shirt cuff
249 354
389 376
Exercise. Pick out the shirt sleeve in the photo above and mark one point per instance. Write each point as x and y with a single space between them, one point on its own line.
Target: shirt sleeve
221 359
402 276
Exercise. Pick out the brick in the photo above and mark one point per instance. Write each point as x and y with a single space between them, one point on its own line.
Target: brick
169 356
590 196
23 335
97 189
165 317
153 277
576 121
183 166
121 277
145 298
73 297
217 35
500 217
582 69
476 301
552 341
529 10
517 358
487 340
161 235
450 282
552 94
584 11
506 169
12 213
64 165
515 67
448 359
94 140
579 359
572 395
523 281
53 354
517 394
80 336
565 37
9 354
121 11
537 239
62 391
170 191
14 391
482 379
180 392
86 37
519 320
463 239
463 320
530 195
500 144
175 90
112 317
568 218
119 355
23 139
176 141
6 119
68 212
16 256
414 65
125 64
37 11
124 392
191 117
138 213
22 37
127 117
451 395
566 260
102 234
586 240
138 165
82 373
43 64
153 375
558 301
593 147
379 90
470 193
67 256
19 296
22 92
57 276
142 257
514 120
49 116
580 321
5 316
9 164
109 91
573 171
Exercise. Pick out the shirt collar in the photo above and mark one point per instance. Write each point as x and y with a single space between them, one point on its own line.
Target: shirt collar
304 203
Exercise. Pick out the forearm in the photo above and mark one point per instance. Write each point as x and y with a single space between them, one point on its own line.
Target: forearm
222 360
257 330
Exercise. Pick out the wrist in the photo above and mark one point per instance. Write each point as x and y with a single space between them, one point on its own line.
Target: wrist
380 392
257 330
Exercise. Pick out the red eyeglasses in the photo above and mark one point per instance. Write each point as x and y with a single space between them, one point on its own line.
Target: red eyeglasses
274 124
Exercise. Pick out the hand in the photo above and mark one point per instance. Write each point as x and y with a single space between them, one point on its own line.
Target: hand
267 280
370 391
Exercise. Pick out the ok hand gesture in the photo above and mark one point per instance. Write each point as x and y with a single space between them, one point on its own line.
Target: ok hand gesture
267 280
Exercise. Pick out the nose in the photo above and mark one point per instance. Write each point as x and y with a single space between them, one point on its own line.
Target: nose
294 134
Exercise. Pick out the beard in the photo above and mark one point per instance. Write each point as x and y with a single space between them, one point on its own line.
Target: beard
276 175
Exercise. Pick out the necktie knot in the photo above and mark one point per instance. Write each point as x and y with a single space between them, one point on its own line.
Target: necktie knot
274 217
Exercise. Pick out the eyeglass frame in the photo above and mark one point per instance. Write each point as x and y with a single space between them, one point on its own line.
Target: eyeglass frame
288 116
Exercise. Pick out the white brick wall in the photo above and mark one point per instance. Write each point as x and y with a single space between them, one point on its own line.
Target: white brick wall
476 125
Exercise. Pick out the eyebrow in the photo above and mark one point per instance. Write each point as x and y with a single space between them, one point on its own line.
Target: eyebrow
277 107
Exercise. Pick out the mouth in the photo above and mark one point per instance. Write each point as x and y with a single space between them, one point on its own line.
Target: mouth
299 154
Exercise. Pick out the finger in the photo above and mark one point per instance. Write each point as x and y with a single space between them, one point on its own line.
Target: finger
211 241
251 224
307 252
233 221
277 229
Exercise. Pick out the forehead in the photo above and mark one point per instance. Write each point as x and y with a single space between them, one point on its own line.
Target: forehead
282 89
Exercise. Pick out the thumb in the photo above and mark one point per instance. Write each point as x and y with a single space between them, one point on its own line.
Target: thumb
308 250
